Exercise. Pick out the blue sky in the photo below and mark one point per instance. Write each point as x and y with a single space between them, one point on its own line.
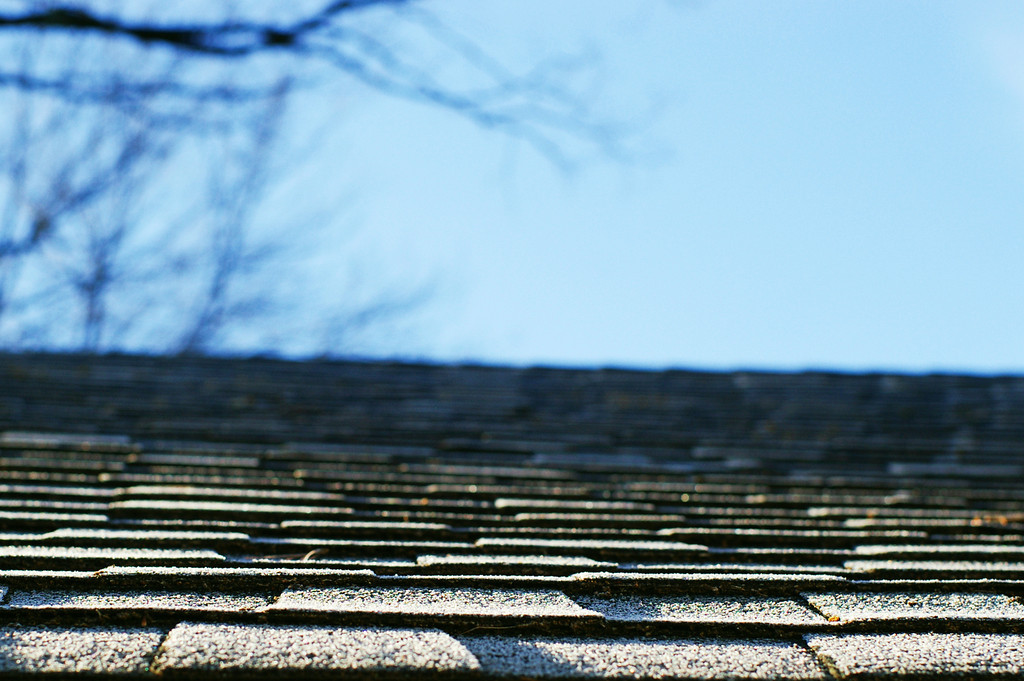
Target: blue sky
829 185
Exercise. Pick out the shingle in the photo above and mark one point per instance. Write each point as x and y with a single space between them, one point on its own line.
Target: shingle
486 580
192 492
76 553
573 505
235 575
940 551
47 464
610 520
35 576
45 518
216 459
955 470
53 505
358 547
716 580
208 478
206 508
136 537
99 650
257 648
959 655
933 568
433 601
86 441
632 658
763 568
457 561
707 609
588 547
134 600
852 607
56 491
367 527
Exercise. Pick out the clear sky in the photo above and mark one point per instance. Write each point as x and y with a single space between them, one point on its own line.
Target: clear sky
817 184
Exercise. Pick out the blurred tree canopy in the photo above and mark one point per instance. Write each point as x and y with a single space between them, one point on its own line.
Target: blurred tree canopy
138 141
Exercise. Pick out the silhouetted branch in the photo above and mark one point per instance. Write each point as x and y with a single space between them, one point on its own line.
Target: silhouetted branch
533 107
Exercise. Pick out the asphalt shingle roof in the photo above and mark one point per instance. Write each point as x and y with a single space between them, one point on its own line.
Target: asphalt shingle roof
194 518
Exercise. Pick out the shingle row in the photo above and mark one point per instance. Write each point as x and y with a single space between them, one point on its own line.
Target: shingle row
212 649
811 609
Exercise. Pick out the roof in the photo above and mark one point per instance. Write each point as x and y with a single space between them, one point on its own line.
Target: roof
198 517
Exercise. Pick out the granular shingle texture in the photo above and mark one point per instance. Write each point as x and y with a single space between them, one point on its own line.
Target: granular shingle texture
702 610
427 601
51 650
253 649
852 607
631 658
195 518
967 656
135 600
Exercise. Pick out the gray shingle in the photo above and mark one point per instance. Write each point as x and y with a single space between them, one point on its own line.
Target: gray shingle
57 491
193 507
573 505
86 441
940 551
233 575
135 537
363 526
715 579
134 600
256 648
76 553
433 601
764 568
520 561
707 609
51 518
632 658
933 568
214 459
357 547
106 650
589 547
973 656
853 607
192 492
955 470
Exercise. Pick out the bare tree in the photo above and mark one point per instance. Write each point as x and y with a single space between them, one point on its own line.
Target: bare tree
137 146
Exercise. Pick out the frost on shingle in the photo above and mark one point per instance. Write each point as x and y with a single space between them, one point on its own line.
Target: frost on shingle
257 648
573 504
740 580
512 561
850 607
633 658
147 536
86 441
134 600
921 655
588 546
940 551
933 568
709 609
432 601
52 518
112 554
194 507
34 650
